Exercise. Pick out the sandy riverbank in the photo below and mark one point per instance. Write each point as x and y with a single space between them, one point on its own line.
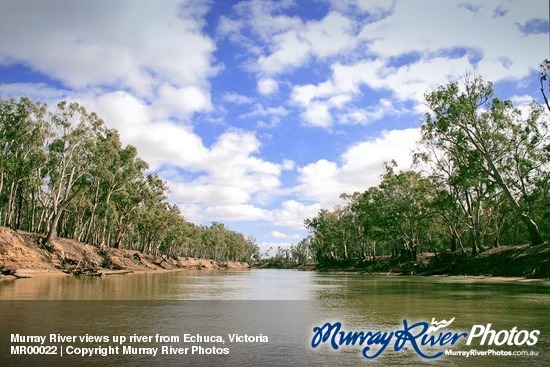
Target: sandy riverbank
22 256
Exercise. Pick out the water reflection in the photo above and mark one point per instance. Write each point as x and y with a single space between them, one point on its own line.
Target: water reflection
360 302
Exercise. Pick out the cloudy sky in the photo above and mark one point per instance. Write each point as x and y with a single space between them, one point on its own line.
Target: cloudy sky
260 113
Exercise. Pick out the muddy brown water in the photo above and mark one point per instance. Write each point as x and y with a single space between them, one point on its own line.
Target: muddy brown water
283 305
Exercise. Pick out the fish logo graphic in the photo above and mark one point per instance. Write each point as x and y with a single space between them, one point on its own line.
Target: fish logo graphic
439 325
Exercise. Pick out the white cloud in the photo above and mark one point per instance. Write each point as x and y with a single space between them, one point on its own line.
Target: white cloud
523 100
273 115
264 18
281 235
226 176
240 212
35 91
260 110
523 104
448 26
137 65
375 8
289 52
236 98
359 168
277 234
267 86
305 94
182 102
319 181
280 42
288 164
317 114
362 162
230 175
406 83
385 107
327 37
192 212
338 93
410 82
393 29
292 213
105 50
158 140
434 46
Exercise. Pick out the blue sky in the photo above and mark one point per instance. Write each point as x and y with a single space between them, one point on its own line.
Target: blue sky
260 113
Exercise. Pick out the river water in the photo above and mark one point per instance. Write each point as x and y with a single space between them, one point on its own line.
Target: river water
282 305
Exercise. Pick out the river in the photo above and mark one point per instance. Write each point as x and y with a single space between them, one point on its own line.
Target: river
282 306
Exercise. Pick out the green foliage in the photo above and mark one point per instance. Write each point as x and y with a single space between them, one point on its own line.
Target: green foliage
63 171
487 183
395 217
491 149
289 257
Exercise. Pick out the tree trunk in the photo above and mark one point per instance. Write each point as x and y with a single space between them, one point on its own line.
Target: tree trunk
534 232
52 232
11 204
19 208
92 215
413 253
33 213
532 228
453 243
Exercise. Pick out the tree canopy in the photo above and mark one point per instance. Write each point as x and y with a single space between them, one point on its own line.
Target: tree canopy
64 172
481 179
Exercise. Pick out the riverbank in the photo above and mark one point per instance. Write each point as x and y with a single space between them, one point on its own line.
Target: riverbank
505 261
21 255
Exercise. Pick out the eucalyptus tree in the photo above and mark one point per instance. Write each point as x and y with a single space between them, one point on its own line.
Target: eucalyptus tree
62 170
251 250
167 239
406 200
300 252
116 171
463 197
217 242
153 213
489 141
447 205
323 246
23 135
127 200
190 240
340 232
319 244
373 235
70 158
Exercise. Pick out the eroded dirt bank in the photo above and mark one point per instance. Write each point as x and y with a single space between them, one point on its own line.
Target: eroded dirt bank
21 255
506 261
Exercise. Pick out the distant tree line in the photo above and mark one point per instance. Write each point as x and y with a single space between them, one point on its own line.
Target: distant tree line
63 172
481 179
288 257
